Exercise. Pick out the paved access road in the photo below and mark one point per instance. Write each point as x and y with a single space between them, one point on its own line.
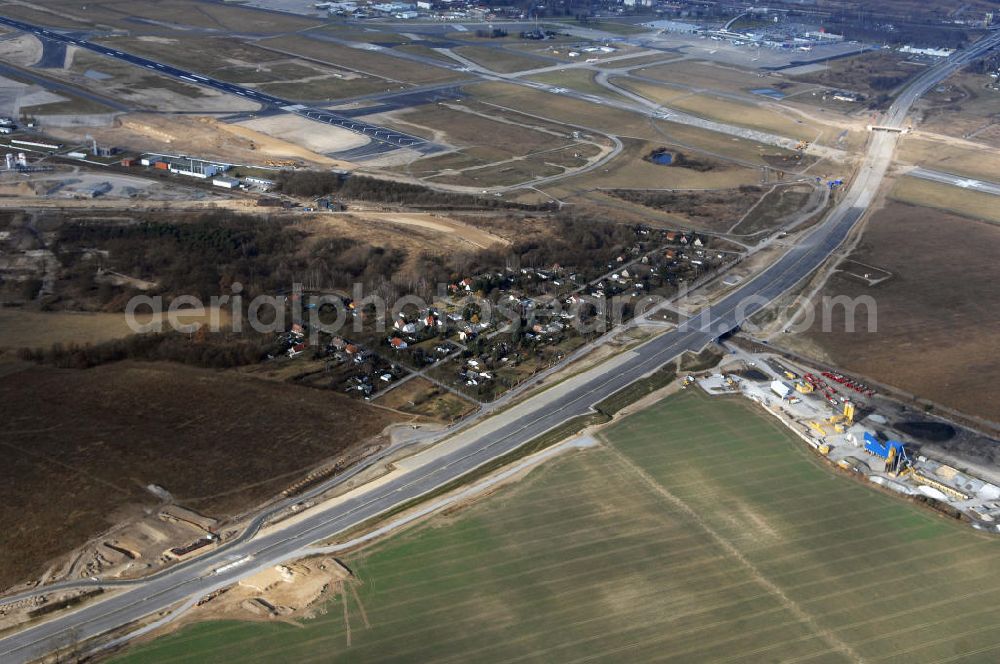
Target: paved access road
374 132
491 438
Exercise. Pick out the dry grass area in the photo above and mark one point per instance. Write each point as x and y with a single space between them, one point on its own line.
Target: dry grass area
416 234
938 316
423 398
698 530
637 61
287 130
767 116
687 74
501 60
488 134
705 210
625 124
252 65
167 15
143 88
946 197
949 155
371 63
871 73
631 171
493 146
204 136
221 57
755 116
576 79
963 107
778 206
477 237
559 108
661 94
81 445
21 328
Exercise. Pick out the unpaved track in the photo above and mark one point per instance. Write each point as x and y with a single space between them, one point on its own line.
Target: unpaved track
474 236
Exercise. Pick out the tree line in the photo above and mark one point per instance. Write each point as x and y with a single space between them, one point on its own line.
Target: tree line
314 184
208 350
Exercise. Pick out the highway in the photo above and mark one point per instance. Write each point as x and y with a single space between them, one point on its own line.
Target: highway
493 437
374 132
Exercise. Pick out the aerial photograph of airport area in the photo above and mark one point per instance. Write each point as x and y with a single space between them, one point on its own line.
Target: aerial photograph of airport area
487 331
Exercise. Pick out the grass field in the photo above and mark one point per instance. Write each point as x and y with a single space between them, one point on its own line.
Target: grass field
966 160
716 210
20 328
963 106
490 134
616 27
938 316
125 14
776 207
501 60
637 61
368 62
79 446
700 531
422 397
749 115
687 74
615 121
965 202
576 79
631 171
870 73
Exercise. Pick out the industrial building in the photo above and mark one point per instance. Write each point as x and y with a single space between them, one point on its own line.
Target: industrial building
781 388
847 440
191 167
932 52
263 183
673 26
226 183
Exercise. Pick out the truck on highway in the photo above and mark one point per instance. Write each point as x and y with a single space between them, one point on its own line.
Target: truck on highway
222 569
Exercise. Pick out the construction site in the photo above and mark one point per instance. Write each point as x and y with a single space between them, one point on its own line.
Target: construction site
850 425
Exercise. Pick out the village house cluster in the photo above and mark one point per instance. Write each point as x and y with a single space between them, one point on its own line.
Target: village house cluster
490 331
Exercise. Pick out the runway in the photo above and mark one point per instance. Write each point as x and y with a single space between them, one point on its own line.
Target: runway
374 132
956 180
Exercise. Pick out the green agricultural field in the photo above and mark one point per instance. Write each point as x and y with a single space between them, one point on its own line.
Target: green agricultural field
701 530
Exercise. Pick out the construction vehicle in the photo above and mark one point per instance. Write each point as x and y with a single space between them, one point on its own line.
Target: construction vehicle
839 428
835 419
897 461
790 375
824 449
849 412
817 427
940 486
804 388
